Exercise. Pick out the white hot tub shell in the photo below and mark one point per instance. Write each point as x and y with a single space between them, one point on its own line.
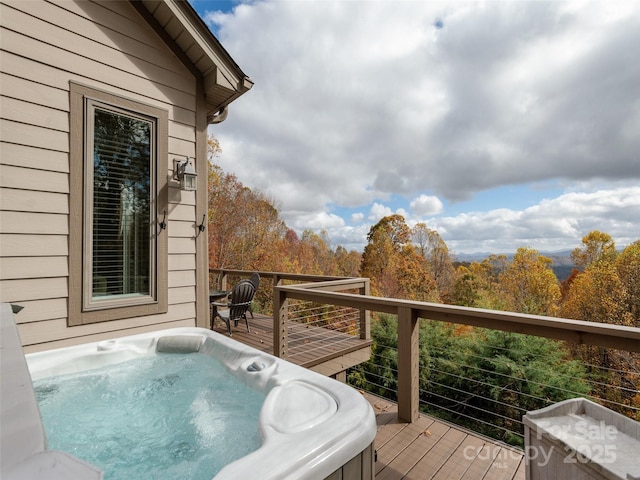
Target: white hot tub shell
311 425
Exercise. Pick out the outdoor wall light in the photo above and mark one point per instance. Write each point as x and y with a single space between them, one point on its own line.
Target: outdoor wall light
184 173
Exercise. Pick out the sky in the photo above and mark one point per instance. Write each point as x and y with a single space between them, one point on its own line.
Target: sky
499 124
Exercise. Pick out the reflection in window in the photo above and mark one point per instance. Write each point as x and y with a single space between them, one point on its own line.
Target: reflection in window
122 251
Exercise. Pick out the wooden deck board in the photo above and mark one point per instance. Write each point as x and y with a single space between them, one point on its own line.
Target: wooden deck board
422 441
396 445
308 346
439 455
482 463
433 449
461 459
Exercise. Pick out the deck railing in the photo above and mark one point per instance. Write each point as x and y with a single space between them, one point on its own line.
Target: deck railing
486 380
317 317
330 291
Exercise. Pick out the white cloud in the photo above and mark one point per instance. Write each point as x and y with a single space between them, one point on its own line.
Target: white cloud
553 224
357 217
426 205
317 221
378 211
354 105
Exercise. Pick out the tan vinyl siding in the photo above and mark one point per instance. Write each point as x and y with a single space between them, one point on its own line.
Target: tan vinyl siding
12 268
37 310
33 223
181 262
34 201
33 179
32 246
182 278
34 114
36 72
179 229
15 291
32 135
110 47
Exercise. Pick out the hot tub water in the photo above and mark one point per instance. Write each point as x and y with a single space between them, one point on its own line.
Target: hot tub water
160 416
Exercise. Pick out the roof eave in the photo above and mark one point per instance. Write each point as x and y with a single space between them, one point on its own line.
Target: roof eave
224 81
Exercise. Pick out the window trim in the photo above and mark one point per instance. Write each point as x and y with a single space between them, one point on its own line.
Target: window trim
81 313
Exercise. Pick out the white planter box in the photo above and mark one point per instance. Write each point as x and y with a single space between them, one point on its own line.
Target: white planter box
579 439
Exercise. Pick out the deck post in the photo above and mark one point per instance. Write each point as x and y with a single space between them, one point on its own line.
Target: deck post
365 316
408 365
280 315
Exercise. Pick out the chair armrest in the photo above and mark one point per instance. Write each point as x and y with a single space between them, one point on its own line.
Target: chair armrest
242 304
220 304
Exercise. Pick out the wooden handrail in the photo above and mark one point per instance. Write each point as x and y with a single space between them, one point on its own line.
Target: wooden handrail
576 331
279 276
325 290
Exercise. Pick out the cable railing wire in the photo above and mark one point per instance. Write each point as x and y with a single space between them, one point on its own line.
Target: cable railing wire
467 405
437 400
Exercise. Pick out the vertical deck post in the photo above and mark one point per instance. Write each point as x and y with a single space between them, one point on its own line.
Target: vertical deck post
280 315
365 316
408 365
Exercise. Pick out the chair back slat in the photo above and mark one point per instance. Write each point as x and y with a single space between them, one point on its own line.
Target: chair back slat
241 297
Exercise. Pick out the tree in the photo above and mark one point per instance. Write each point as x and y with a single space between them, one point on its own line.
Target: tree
434 250
599 295
244 225
529 284
394 228
628 267
226 217
596 246
503 375
414 278
347 262
384 242
319 250
394 266
477 285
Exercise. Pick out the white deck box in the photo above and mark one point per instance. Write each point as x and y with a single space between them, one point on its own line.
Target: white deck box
579 439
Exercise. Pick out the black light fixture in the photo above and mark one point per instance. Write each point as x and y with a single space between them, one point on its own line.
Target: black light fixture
184 173
202 226
163 223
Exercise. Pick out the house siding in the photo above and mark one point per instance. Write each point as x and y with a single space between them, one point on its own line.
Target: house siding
107 46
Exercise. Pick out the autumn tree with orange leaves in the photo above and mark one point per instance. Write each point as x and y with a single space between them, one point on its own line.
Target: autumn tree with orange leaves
607 292
394 265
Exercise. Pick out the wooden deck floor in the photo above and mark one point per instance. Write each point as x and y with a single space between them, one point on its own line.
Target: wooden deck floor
433 449
308 346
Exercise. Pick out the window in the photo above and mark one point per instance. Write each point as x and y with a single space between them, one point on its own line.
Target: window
118 257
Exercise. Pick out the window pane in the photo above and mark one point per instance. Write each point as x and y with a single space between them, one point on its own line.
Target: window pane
121 264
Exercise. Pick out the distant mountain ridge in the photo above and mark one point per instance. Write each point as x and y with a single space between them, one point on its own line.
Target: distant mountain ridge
562 265
559 257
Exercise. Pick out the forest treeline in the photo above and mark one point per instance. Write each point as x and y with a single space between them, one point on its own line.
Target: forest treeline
480 378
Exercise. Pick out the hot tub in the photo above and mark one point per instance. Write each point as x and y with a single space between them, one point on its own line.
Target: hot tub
311 426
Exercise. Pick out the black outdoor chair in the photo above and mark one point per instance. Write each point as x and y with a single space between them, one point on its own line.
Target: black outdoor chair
238 304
